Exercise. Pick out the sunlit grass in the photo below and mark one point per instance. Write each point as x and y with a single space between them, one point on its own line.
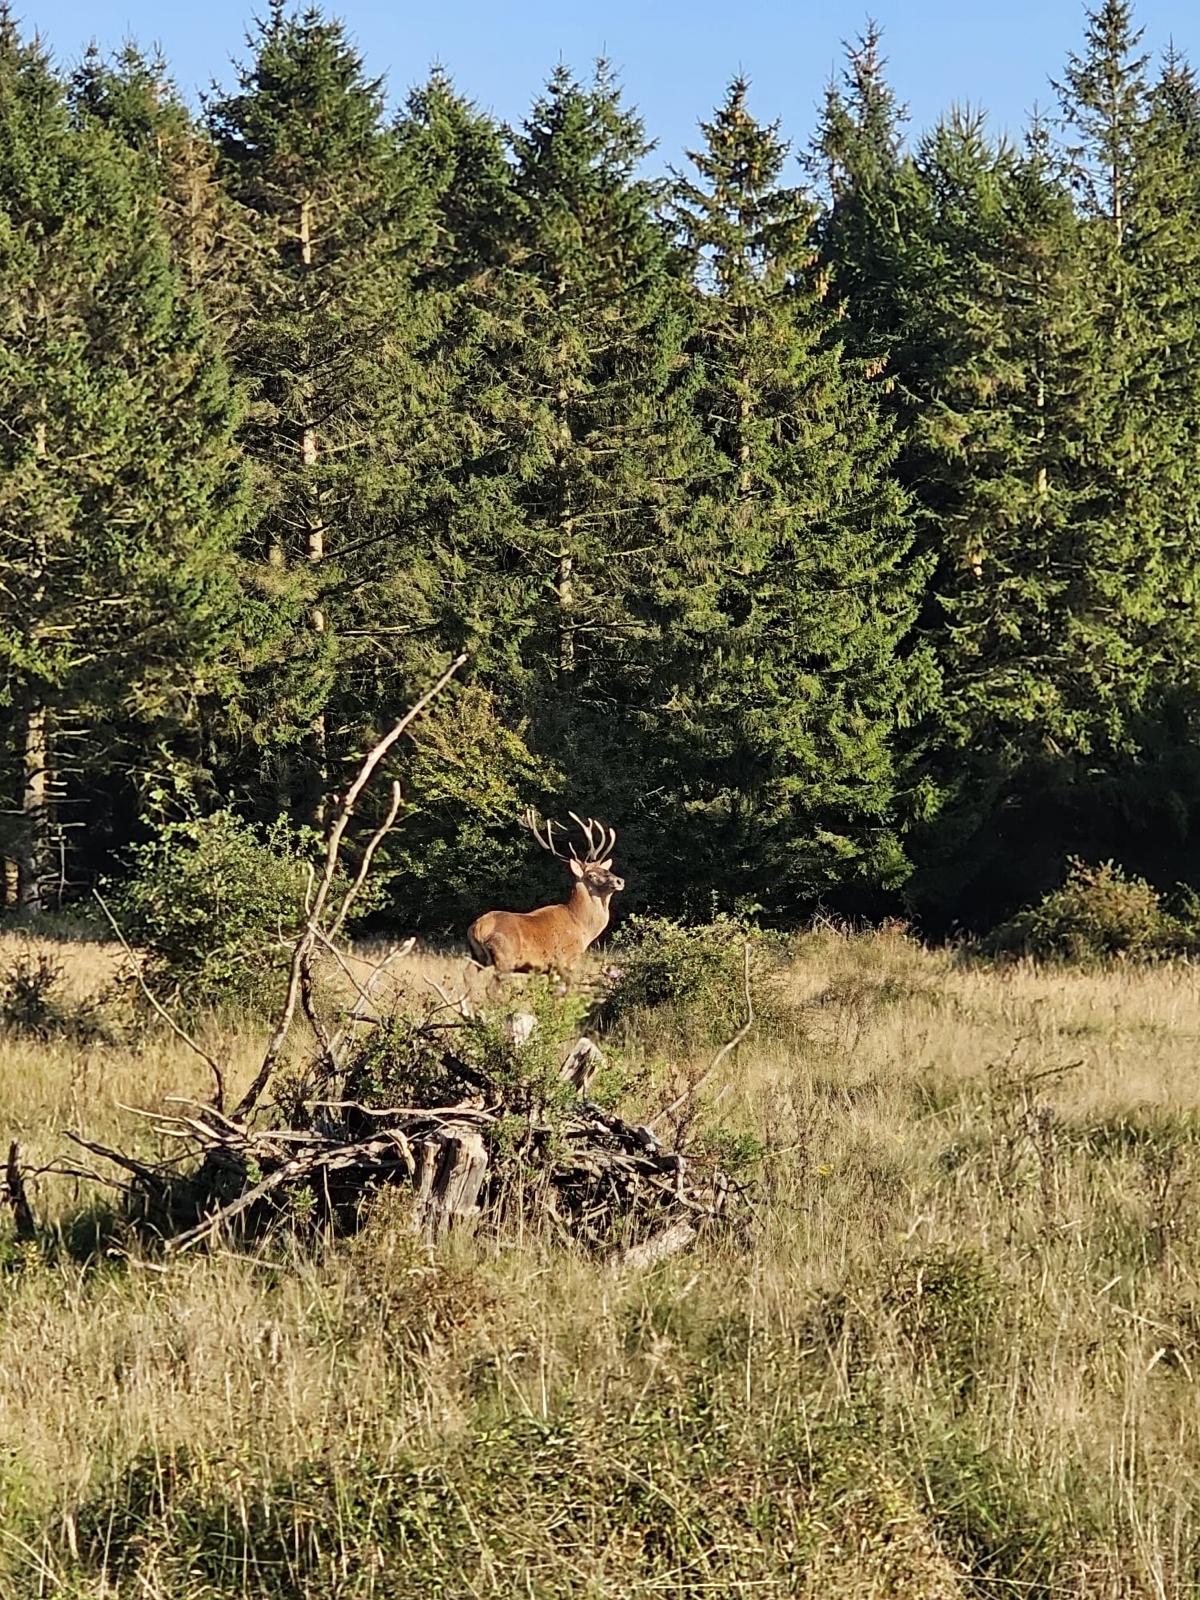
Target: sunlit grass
953 1350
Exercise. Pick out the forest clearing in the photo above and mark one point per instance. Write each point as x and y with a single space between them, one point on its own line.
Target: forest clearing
952 1352
798 1193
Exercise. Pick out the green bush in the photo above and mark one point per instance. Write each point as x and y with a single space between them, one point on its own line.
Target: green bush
32 1002
693 977
407 1061
214 905
1099 912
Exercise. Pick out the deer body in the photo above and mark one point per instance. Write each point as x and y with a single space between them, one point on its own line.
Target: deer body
552 938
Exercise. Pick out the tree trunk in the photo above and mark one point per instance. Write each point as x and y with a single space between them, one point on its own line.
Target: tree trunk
566 602
309 454
451 1166
34 857
565 583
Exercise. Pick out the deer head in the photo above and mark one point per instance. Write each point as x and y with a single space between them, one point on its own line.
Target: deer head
593 871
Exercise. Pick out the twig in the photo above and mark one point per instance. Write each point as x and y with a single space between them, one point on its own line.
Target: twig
139 1169
309 1001
307 938
364 990
62 1169
364 865
730 1044
213 1067
14 1193
418 1113
459 1005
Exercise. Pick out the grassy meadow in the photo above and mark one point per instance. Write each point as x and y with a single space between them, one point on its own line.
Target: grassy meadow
951 1350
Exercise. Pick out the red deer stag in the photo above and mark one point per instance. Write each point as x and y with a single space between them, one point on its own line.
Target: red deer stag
552 938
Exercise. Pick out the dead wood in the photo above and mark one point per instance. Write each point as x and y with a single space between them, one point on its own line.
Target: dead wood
490 1136
14 1194
658 1247
302 950
452 1164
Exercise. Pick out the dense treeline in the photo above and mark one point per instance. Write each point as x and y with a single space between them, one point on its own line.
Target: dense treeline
827 518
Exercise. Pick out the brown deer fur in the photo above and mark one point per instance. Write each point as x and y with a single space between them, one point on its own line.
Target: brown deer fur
552 938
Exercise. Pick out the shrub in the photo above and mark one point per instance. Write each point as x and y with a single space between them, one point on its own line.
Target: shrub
214 906
406 1061
32 1002
1097 913
694 976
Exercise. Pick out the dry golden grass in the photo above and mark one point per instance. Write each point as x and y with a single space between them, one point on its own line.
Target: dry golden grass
955 1355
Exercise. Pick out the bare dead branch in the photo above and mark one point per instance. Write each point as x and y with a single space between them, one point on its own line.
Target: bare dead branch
460 1005
308 1000
429 1113
14 1194
140 1169
364 865
333 845
135 964
358 1012
391 1144
658 1247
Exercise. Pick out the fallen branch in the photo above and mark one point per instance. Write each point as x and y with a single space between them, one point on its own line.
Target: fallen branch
658 1247
140 1169
303 1166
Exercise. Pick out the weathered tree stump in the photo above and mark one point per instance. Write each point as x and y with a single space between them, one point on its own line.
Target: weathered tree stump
451 1166
14 1194
580 1063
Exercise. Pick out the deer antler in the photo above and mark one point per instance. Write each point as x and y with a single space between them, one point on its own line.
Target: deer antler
600 840
530 821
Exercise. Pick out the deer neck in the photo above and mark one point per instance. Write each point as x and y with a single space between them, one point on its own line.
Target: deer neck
588 910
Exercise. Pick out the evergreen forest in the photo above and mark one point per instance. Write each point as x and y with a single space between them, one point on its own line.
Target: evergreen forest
820 508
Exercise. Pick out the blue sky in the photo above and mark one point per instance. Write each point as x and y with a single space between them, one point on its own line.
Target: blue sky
675 58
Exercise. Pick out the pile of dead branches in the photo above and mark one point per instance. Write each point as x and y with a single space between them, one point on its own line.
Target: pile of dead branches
482 1130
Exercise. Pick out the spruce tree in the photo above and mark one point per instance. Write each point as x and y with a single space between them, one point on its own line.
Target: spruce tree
120 493
875 217
995 449
601 348
1049 349
329 350
562 532
795 687
131 94
1130 157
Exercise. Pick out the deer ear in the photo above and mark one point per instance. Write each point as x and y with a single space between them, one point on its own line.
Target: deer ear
576 868
605 866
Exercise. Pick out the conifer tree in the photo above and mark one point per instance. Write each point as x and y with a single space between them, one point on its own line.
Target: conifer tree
328 349
120 492
1129 158
995 448
798 683
564 526
875 216
456 159
132 95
